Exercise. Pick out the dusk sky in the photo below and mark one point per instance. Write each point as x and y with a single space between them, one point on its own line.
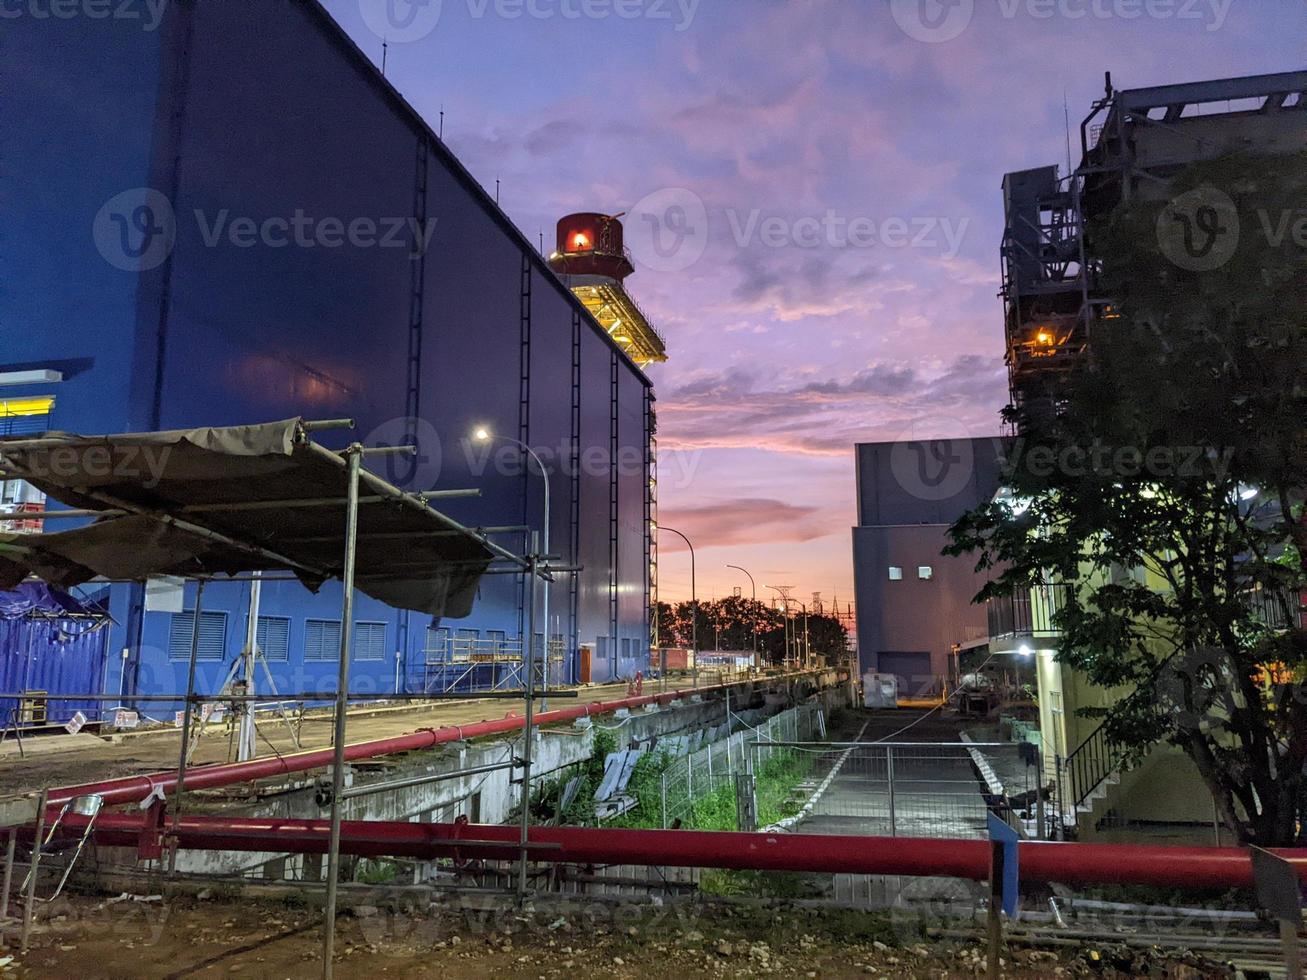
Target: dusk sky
847 156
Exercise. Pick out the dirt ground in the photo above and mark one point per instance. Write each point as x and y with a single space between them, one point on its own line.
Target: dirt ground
192 937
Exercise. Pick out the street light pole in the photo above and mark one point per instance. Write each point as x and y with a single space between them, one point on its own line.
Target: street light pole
694 602
485 435
785 625
752 612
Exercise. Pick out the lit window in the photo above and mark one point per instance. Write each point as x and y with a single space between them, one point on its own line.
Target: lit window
925 573
895 573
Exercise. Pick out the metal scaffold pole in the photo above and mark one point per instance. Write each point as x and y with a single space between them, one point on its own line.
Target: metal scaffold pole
354 456
184 754
528 730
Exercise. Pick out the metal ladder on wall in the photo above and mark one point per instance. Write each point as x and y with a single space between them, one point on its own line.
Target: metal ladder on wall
412 403
613 551
574 508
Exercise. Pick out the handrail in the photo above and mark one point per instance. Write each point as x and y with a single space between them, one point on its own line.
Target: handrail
1092 762
1029 610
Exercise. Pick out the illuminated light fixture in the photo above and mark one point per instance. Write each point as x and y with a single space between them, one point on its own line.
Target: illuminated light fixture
1247 493
1044 338
580 241
1024 650
481 434
30 377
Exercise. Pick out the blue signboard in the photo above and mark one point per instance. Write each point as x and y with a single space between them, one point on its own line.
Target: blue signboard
1002 834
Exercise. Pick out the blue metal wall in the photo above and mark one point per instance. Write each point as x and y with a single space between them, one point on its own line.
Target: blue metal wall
56 656
246 109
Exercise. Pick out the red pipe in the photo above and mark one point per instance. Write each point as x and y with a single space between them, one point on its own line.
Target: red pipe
1079 864
133 789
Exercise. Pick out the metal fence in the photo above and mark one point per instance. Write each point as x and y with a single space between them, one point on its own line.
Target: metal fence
714 767
909 789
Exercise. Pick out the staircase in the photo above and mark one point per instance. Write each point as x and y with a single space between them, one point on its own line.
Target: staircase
1085 778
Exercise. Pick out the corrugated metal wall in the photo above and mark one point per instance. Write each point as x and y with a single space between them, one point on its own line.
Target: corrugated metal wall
51 657
266 112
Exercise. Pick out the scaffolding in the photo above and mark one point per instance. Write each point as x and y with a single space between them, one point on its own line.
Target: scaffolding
1132 143
264 499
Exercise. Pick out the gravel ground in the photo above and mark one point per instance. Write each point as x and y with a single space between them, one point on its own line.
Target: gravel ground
89 938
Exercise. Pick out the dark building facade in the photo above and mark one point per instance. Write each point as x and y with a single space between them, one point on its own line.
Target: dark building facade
914 604
234 218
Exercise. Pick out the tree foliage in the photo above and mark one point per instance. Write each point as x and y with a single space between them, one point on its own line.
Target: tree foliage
730 624
1164 484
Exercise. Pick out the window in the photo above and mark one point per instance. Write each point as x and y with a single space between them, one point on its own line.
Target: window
321 639
273 637
895 573
369 641
25 416
925 573
213 636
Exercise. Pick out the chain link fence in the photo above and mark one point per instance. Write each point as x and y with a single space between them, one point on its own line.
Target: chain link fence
712 770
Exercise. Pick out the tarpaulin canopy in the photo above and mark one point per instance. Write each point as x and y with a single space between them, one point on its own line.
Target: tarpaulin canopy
235 499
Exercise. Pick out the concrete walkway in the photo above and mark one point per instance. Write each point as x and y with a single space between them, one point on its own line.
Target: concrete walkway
49 764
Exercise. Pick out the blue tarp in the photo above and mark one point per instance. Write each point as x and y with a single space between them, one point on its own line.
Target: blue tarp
50 642
38 599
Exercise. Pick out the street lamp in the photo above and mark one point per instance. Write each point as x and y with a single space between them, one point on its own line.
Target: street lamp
785 625
483 434
807 644
752 613
694 602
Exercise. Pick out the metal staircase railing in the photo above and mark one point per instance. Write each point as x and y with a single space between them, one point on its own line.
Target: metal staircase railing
1089 765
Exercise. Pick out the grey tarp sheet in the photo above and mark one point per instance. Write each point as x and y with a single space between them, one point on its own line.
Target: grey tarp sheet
409 556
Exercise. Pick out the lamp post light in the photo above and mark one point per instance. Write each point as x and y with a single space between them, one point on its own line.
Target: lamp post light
785 625
806 647
752 612
483 434
694 602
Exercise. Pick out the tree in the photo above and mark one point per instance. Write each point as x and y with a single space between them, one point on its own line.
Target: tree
1164 483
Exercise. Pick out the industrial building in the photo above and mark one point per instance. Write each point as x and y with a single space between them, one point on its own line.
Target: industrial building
236 219
1132 144
914 604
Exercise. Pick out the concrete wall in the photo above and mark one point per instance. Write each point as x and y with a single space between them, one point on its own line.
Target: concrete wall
485 798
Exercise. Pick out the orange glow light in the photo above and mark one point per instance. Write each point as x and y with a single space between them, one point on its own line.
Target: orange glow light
581 241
